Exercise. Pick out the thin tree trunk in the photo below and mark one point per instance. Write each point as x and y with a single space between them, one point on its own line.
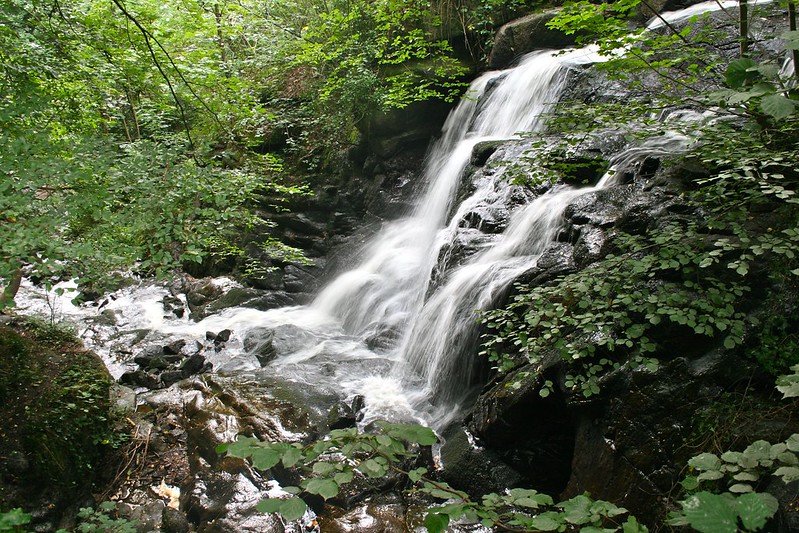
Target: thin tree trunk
10 290
792 27
743 26
220 39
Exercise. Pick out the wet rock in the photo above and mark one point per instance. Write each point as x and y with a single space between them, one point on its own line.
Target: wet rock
140 378
524 35
193 365
473 468
482 151
223 336
172 376
588 247
557 259
268 343
174 521
16 463
222 502
384 513
174 347
341 416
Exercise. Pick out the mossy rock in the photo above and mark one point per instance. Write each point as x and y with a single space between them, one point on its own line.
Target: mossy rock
56 423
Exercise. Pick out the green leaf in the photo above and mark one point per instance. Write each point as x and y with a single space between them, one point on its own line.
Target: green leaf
416 474
324 487
293 508
756 508
739 73
410 432
711 513
344 477
777 106
705 461
324 468
291 456
265 458
577 510
793 442
271 505
788 473
436 522
373 468
740 488
549 521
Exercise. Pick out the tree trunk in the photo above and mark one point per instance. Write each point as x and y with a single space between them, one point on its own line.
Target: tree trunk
9 292
792 27
743 26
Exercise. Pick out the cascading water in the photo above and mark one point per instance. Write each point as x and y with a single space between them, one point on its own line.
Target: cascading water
384 329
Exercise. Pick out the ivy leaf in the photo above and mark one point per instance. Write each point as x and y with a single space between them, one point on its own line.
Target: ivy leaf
711 513
436 522
777 106
756 508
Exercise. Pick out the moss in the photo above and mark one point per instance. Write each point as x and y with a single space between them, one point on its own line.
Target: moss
56 417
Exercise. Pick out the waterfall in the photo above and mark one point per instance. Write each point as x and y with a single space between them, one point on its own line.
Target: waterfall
400 327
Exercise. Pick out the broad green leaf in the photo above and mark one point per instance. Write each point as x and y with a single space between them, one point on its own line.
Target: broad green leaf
739 73
756 508
711 513
265 458
777 106
788 473
326 488
793 442
324 468
577 510
410 432
291 456
416 474
270 505
293 508
373 468
344 477
740 488
436 523
631 525
549 521
705 461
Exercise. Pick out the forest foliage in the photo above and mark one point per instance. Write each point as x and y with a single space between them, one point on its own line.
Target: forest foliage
140 134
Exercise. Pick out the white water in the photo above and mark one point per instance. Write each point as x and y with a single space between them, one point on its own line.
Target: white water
417 370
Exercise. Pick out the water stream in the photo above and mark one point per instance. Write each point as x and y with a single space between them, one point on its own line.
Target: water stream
383 329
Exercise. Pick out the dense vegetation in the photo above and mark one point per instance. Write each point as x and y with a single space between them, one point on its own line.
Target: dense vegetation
140 134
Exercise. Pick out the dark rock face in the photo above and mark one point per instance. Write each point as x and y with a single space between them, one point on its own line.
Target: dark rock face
524 35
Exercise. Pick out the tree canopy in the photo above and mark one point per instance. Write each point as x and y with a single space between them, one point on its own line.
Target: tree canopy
138 134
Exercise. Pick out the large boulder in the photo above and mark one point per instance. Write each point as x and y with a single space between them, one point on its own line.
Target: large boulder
525 35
